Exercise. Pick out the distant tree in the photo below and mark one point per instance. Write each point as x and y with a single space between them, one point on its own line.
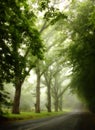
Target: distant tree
51 16
58 88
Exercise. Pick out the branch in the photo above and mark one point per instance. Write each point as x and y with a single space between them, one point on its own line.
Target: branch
63 91
27 52
45 25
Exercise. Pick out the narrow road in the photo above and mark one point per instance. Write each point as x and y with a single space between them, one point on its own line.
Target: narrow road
72 121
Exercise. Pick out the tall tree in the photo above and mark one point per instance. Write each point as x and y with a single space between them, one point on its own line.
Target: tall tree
50 17
20 44
82 51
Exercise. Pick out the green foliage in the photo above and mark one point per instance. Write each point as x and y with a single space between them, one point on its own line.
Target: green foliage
19 38
43 4
51 13
54 15
4 100
82 52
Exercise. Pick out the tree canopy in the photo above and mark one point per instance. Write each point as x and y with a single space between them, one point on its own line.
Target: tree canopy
82 51
19 36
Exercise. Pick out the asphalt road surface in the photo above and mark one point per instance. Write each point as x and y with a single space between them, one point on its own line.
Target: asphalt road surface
72 121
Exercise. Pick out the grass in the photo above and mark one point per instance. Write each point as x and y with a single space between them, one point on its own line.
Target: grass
31 115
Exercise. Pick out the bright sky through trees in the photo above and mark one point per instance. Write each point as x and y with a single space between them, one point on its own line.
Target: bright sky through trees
32 77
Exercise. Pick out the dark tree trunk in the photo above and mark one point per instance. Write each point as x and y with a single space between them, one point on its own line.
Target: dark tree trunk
16 103
49 99
37 105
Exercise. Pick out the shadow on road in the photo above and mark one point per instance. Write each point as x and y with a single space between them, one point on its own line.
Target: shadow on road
72 121
87 121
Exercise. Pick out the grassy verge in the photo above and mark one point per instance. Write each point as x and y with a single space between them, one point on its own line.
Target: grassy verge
31 115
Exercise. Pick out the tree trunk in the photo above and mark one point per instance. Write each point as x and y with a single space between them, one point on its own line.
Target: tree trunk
48 84
37 105
49 99
56 104
61 103
16 103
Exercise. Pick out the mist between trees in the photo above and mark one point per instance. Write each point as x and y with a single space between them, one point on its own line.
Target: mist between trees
67 102
56 41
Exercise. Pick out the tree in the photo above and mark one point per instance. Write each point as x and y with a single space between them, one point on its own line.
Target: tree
57 93
82 51
48 81
50 17
20 44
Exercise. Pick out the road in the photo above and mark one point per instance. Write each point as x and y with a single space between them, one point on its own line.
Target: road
72 121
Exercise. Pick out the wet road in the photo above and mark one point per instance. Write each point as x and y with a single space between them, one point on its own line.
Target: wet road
72 121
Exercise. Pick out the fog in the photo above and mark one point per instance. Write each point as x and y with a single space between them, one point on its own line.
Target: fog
70 102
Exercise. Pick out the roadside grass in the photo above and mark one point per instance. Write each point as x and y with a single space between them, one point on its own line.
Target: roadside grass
31 115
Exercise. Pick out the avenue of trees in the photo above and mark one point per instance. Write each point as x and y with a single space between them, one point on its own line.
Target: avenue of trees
56 42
